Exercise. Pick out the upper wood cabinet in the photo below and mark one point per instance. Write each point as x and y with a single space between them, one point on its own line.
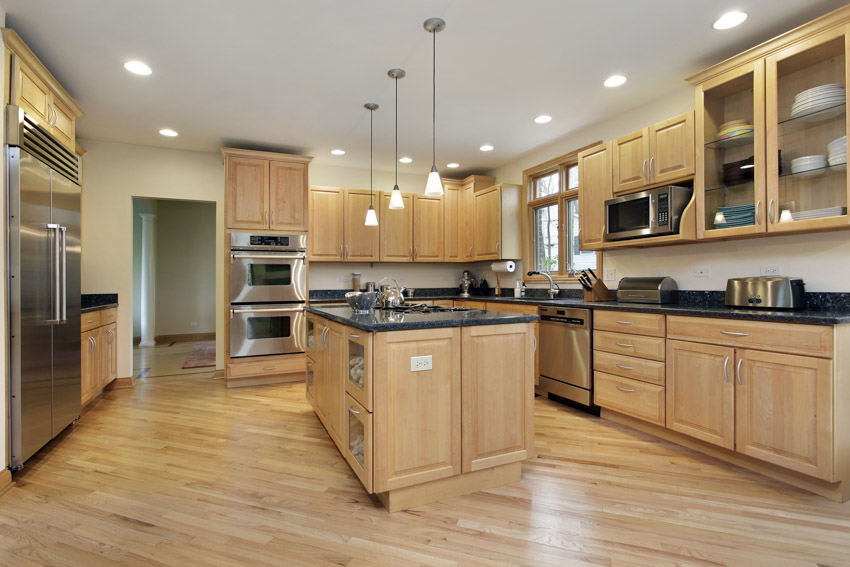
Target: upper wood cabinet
496 223
361 243
265 190
327 221
427 229
659 154
594 188
396 230
457 207
33 88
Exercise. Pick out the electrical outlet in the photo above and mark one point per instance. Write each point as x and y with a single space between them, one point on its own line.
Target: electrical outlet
345 280
420 363
193 324
610 275
702 272
772 270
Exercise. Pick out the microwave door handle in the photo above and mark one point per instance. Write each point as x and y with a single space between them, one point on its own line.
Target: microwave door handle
653 211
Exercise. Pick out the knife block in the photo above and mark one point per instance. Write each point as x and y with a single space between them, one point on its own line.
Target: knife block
600 292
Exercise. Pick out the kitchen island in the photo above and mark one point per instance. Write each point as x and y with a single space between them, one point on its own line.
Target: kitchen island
424 406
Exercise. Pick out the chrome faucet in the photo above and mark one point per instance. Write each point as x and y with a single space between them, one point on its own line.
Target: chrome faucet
552 285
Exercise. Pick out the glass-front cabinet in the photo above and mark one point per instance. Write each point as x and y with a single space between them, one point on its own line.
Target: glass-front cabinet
730 180
358 441
359 366
806 113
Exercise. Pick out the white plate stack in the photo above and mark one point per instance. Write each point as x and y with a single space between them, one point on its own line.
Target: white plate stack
837 152
818 99
809 165
819 213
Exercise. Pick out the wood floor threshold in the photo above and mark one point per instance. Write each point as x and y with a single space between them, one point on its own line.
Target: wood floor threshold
444 488
836 491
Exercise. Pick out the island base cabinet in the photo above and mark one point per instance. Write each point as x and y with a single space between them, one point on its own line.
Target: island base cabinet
784 411
498 395
417 427
358 441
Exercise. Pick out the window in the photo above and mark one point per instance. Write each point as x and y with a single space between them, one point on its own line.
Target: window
553 214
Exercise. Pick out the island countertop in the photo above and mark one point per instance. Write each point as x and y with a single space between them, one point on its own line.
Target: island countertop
381 320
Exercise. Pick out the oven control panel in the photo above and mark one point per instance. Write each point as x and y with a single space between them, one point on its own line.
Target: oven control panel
268 240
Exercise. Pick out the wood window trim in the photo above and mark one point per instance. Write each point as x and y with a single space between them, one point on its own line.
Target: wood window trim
562 165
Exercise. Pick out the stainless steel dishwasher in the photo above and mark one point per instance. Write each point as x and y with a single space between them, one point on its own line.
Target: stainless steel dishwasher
566 369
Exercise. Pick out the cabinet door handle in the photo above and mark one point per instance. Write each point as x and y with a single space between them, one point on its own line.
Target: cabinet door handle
266 217
535 344
470 251
624 389
272 221
643 171
626 322
650 166
55 116
758 213
725 373
352 410
497 248
324 332
625 345
93 345
347 251
111 336
738 371
415 252
734 334
341 252
49 111
770 211
270 368
624 367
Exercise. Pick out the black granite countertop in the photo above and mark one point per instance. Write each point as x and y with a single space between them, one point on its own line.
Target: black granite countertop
97 301
394 321
821 308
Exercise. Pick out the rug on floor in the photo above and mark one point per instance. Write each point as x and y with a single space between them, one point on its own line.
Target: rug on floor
202 355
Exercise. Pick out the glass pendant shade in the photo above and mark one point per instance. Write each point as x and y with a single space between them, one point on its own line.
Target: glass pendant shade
371 217
434 186
396 202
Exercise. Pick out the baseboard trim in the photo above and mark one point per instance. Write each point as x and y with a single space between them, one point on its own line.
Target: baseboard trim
185 338
122 383
218 374
6 482
265 380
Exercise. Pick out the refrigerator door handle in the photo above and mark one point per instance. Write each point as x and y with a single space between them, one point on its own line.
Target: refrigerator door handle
63 315
56 283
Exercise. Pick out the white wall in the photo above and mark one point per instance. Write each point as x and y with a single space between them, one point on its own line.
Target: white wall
114 174
140 206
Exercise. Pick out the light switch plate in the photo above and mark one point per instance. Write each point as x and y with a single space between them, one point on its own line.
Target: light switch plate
420 363
610 275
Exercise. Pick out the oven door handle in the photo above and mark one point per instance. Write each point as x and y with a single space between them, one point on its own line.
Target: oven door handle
267 310
278 256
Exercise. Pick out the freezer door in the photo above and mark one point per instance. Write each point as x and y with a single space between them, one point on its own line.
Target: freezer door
31 249
66 336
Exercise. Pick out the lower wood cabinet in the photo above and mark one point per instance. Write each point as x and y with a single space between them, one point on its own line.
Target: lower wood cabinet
98 352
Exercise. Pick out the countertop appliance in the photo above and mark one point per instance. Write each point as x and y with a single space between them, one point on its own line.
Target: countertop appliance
654 212
268 294
656 289
44 285
565 354
766 292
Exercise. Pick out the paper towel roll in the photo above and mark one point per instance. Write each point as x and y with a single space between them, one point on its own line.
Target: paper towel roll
506 266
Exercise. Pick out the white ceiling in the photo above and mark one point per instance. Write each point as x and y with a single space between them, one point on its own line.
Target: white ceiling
293 75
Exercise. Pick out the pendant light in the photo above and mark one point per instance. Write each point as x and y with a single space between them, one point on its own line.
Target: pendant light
434 186
396 202
371 216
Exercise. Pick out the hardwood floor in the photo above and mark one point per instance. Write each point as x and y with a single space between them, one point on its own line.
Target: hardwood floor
180 471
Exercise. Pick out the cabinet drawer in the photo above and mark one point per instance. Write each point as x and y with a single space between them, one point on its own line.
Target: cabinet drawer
89 321
358 441
651 324
512 308
637 399
632 345
108 316
473 305
814 340
629 366
265 368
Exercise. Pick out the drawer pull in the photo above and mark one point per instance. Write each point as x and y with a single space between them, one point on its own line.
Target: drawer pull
624 367
352 410
353 335
270 368
90 321
735 334
624 389
625 345
626 322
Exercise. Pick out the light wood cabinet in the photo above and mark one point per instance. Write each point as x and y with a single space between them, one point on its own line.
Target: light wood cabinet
457 207
33 88
496 223
525 310
90 365
428 229
594 188
630 397
336 371
265 190
359 371
361 242
661 153
327 221
99 351
109 354
358 450
396 230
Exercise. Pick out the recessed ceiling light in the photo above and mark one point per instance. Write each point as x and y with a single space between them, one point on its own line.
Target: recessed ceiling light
730 20
405 160
543 119
168 132
486 148
614 81
137 67
452 165
338 152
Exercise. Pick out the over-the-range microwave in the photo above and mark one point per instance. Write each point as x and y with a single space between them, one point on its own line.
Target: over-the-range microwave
654 212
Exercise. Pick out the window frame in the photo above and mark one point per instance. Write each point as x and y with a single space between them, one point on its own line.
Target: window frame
561 165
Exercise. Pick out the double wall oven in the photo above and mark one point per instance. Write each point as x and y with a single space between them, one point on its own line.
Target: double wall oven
268 294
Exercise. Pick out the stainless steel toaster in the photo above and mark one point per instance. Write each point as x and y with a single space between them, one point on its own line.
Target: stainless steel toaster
765 292
661 289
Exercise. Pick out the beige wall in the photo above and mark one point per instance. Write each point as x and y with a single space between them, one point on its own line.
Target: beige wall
114 174
140 206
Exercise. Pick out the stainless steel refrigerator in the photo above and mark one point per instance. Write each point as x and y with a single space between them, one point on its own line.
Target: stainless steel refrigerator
44 285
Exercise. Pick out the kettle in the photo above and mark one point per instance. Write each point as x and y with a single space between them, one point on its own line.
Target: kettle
467 280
